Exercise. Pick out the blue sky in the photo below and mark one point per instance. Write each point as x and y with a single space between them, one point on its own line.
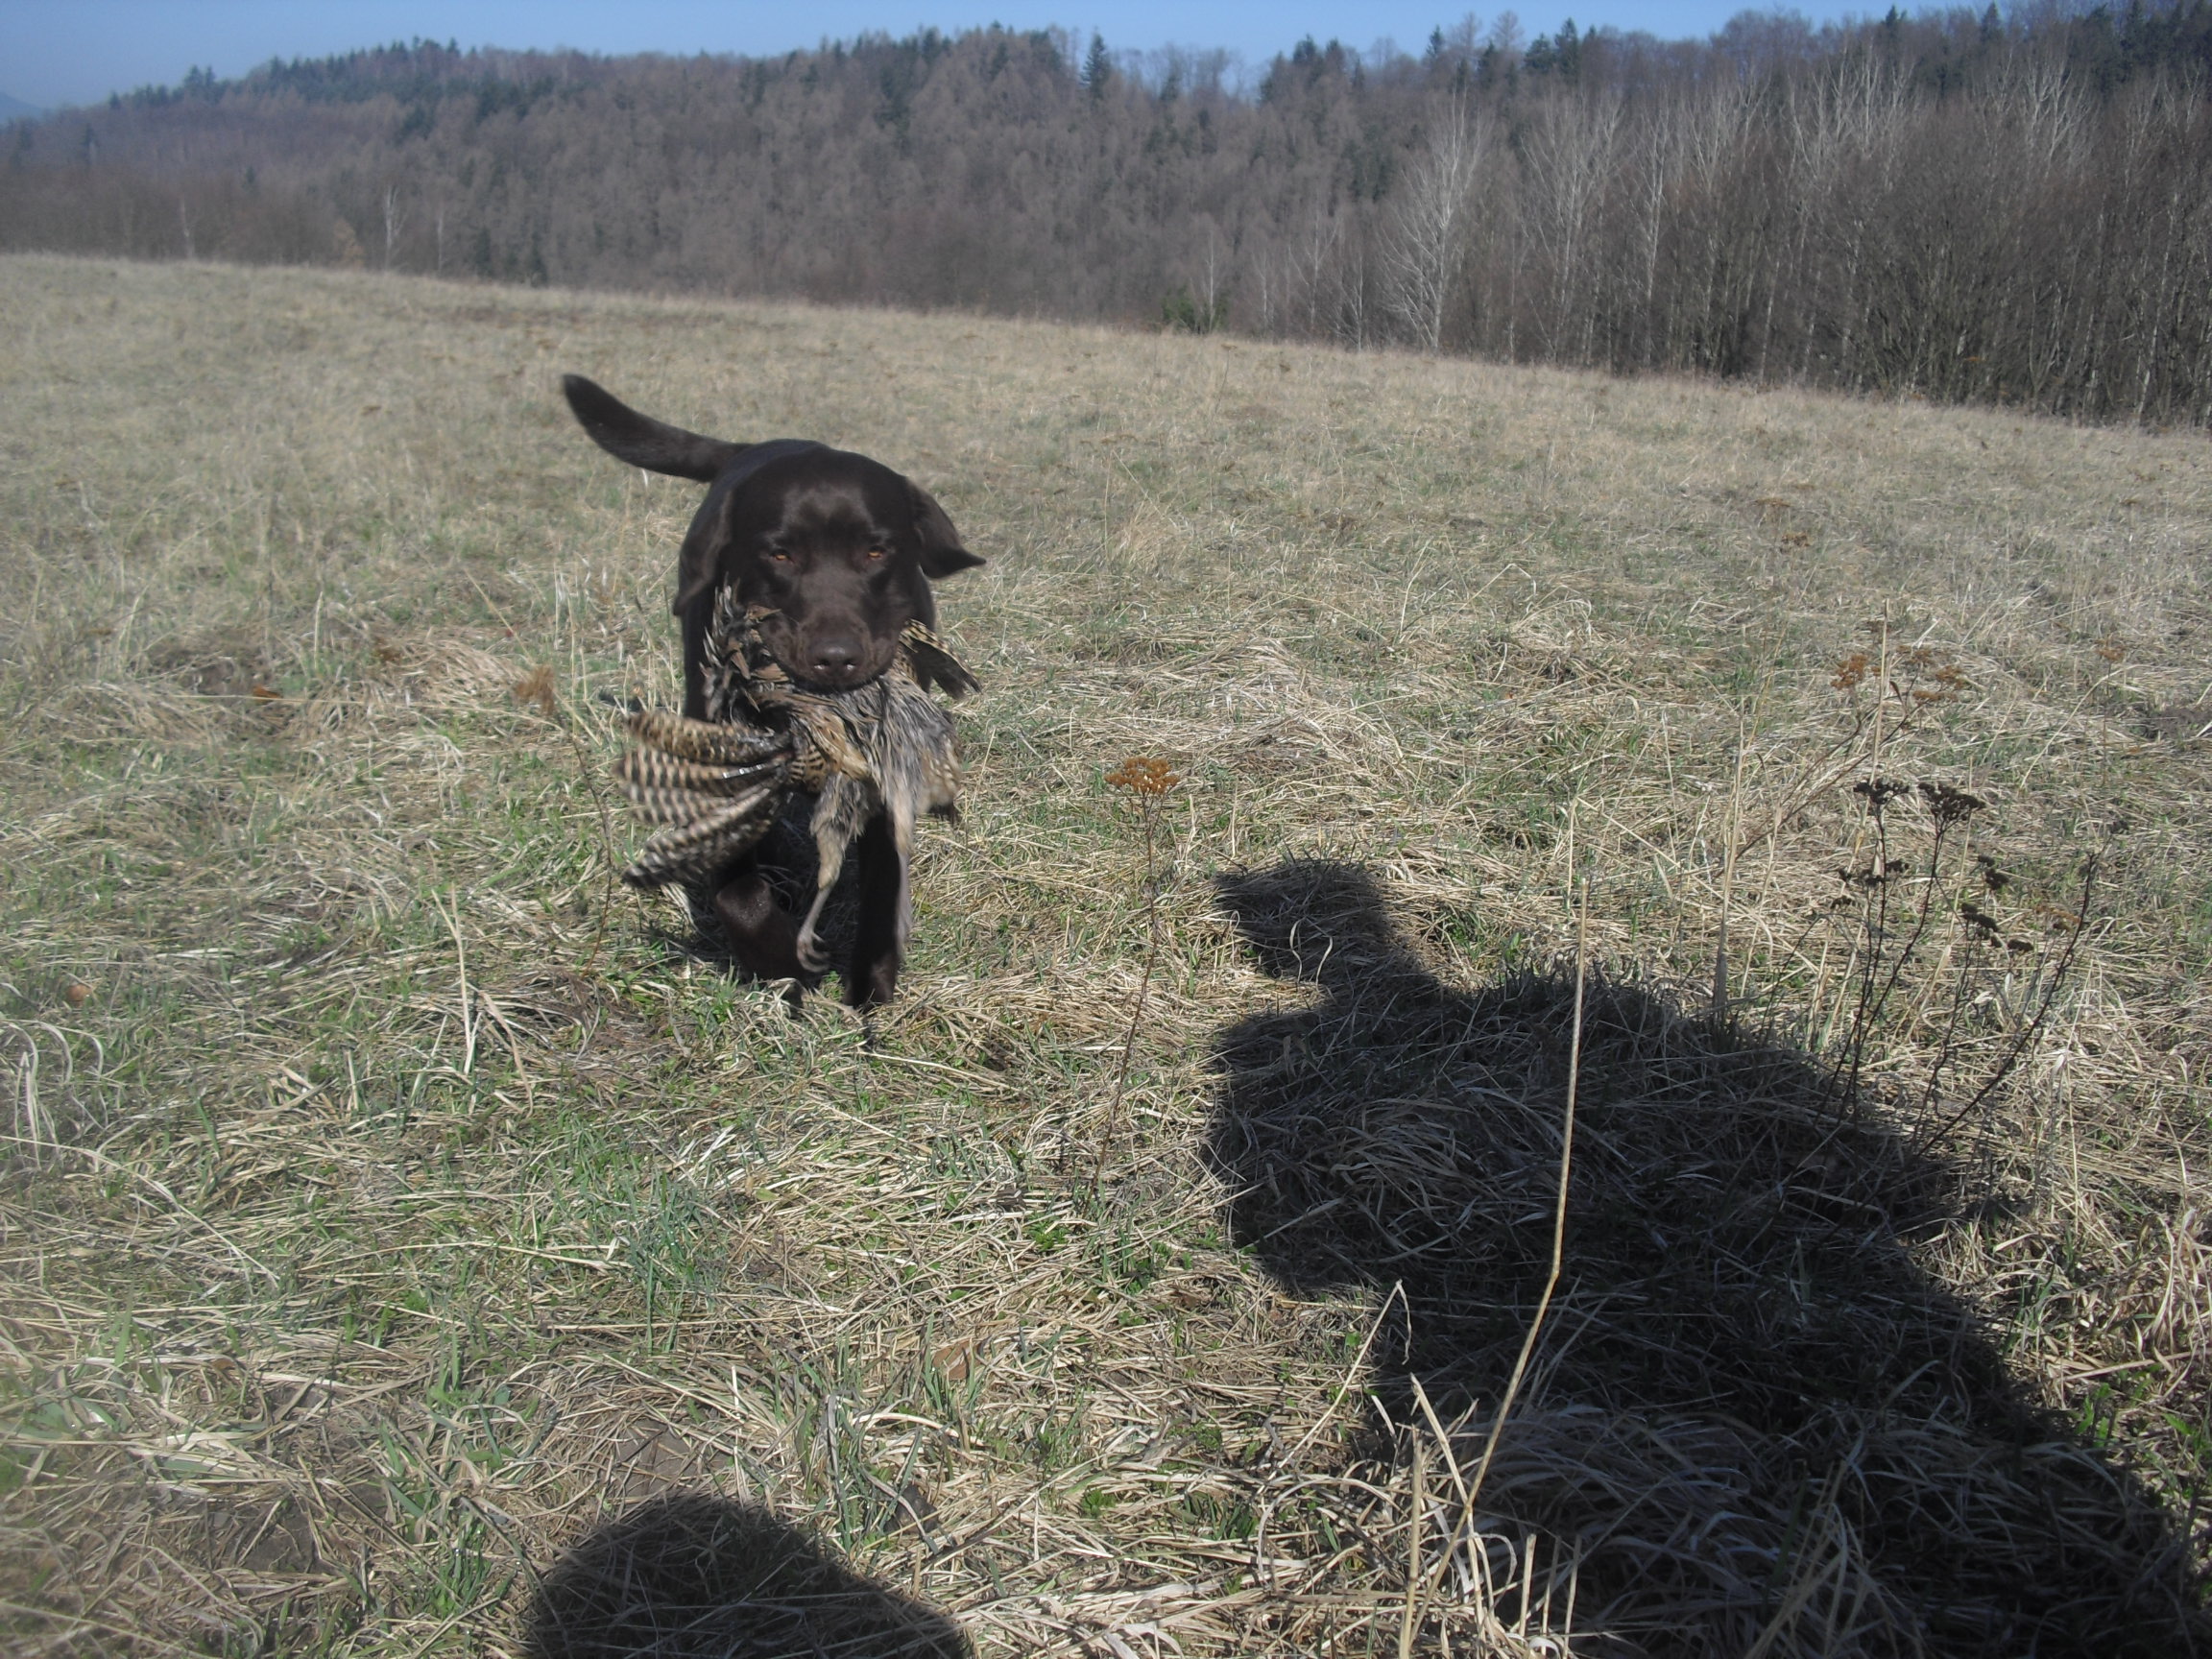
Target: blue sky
54 52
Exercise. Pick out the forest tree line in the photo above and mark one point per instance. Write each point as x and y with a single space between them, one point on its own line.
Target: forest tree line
2000 208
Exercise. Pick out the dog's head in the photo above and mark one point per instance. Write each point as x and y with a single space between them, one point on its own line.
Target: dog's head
838 551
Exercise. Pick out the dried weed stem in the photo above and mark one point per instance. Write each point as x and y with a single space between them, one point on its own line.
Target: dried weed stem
1558 1208
1149 779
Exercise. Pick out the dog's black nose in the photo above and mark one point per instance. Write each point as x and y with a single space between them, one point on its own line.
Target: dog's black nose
835 661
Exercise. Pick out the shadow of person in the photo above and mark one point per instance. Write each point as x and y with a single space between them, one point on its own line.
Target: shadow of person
691 1575
1741 1352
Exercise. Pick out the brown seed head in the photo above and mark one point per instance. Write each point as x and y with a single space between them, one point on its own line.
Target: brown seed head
537 686
1144 775
1950 806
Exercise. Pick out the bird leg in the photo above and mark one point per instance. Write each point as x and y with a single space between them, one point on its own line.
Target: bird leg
841 812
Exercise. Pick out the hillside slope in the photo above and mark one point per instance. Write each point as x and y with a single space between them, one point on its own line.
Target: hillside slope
393 1203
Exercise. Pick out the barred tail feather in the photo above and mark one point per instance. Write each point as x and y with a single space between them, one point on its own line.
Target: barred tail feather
706 742
667 790
698 849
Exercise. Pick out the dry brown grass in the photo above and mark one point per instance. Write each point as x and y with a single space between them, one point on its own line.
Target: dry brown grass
392 1206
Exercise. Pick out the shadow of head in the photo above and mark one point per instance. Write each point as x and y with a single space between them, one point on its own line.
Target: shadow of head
1737 1289
692 1574
1320 921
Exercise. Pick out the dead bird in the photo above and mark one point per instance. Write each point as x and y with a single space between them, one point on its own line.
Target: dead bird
719 785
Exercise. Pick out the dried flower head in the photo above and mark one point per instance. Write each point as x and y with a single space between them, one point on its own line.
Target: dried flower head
1851 672
537 686
1149 778
1939 669
1978 920
1144 775
1950 806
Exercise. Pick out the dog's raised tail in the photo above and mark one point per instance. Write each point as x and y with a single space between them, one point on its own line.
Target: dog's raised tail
642 441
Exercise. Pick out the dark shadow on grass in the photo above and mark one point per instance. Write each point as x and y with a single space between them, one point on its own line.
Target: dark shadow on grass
696 1576
1737 1292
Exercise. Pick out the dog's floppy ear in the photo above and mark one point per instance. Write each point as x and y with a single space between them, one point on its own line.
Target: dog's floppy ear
942 554
639 439
699 560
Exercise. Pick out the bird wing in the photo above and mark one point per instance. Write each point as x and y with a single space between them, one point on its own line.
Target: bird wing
933 663
716 787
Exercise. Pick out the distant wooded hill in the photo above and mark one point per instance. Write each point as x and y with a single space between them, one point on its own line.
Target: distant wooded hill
2012 209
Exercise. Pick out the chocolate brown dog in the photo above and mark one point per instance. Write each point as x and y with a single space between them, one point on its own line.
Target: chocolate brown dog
835 554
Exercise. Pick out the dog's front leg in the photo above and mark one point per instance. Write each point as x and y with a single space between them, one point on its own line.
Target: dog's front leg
760 933
872 978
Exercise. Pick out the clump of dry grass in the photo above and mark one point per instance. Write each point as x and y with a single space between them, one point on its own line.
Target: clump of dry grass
391 1212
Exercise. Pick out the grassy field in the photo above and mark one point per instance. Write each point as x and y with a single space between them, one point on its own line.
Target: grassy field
416 1243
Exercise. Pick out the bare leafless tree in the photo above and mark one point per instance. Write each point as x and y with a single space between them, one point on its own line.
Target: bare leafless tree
1425 229
1569 156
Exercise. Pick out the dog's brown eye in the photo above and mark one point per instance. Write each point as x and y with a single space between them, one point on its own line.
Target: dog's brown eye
875 552
778 555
